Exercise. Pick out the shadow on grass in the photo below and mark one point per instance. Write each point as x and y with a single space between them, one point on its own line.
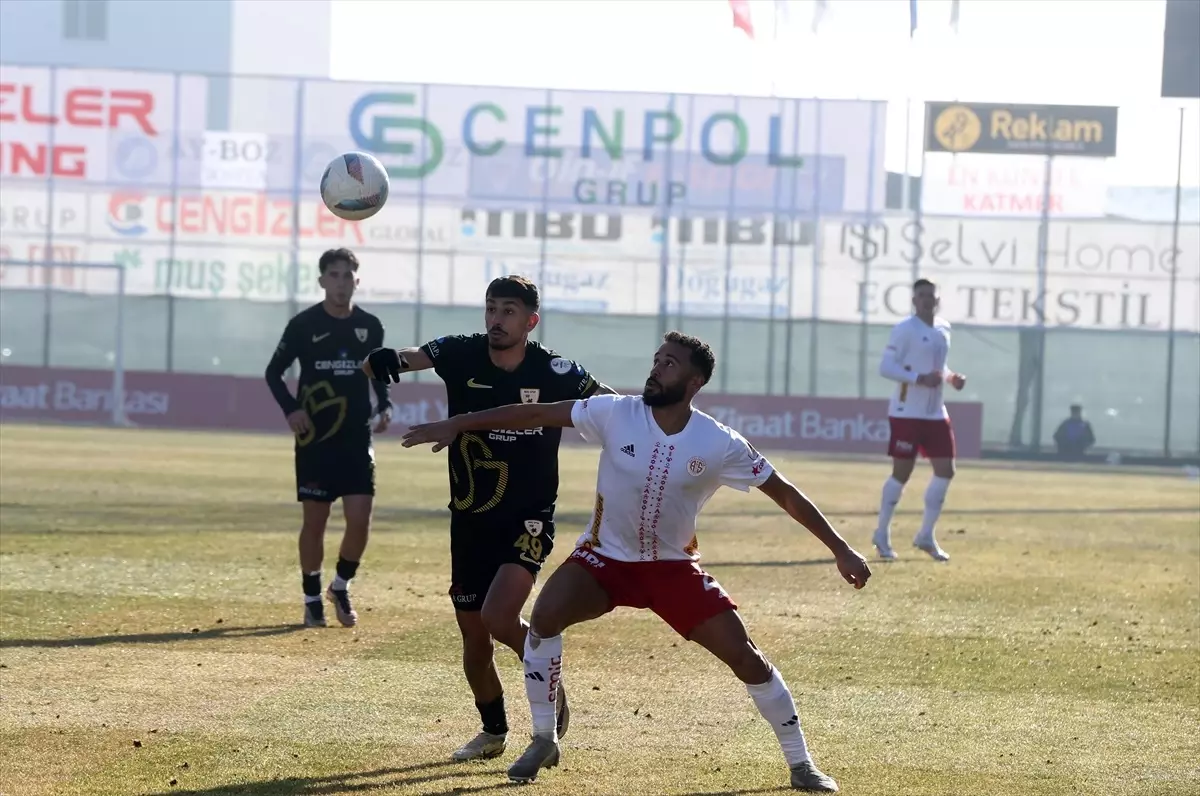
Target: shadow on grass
385 778
357 782
153 638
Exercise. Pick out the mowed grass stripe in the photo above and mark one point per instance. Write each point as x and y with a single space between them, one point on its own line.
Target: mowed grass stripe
148 591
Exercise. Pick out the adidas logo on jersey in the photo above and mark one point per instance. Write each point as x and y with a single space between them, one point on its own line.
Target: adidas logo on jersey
628 450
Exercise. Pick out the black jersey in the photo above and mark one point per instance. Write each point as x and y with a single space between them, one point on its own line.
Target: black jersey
500 473
333 388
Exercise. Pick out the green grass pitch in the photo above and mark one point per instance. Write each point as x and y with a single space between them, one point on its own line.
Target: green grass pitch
149 639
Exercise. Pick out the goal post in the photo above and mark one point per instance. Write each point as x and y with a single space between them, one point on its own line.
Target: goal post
68 316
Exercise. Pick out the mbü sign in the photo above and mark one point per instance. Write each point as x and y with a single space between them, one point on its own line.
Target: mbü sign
961 127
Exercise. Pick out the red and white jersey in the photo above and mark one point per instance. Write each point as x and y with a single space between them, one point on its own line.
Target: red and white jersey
650 487
916 348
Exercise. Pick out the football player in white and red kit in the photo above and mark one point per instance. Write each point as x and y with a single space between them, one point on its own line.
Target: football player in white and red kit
916 357
661 462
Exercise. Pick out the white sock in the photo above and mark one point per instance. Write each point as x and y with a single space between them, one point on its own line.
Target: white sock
339 583
935 496
892 490
543 673
774 702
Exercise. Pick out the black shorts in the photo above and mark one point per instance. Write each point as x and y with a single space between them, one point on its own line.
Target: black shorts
326 472
479 546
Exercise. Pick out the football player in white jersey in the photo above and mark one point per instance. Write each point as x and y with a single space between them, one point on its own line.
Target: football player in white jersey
916 357
661 462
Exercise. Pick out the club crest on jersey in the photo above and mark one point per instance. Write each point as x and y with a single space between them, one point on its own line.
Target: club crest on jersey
696 465
533 527
560 366
361 334
530 395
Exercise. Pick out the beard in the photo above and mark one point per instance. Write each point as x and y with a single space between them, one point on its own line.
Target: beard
502 343
663 396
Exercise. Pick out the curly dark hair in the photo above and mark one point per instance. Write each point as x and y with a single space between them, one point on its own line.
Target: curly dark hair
702 359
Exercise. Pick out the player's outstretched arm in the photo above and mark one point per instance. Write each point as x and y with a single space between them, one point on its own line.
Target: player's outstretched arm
512 417
789 498
386 364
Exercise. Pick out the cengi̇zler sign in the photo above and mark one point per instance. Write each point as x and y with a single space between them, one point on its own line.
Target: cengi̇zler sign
597 150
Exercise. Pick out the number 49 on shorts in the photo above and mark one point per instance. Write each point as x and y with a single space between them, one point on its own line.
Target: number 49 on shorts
530 547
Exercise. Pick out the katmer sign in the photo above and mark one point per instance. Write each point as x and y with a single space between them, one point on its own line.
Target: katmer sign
1003 129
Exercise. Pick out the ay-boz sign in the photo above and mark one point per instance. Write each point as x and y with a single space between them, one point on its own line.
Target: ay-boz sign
607 228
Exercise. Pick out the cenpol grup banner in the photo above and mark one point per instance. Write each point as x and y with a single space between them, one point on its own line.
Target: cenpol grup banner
487 147
195 401
584 151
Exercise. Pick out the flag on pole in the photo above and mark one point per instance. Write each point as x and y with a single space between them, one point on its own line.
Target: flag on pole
819 9
954 15
741 16
783 12
912 17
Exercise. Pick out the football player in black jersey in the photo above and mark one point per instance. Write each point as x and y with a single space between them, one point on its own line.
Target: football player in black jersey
503 485
332 419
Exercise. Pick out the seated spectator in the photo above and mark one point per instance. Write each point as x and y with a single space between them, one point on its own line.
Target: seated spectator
1074 435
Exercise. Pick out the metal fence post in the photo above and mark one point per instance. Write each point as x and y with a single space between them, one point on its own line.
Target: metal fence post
171 241
48 255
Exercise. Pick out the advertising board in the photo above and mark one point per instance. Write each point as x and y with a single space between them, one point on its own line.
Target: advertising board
511 148
1012 186
237 245
1018 129
71 123
234 403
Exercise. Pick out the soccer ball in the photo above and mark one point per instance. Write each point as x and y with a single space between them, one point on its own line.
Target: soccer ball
354 186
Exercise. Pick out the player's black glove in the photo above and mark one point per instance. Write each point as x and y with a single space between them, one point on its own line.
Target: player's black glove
385 365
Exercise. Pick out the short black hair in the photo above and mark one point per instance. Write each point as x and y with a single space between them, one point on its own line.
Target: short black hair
335 255
516 287
920 283
702 358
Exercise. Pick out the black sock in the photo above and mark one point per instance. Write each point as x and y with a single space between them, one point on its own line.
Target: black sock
346 569
495 721
311 583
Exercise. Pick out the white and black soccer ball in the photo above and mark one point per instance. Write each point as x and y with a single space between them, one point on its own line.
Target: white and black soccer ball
354 186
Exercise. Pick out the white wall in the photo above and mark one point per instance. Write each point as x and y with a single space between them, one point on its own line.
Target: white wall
281 38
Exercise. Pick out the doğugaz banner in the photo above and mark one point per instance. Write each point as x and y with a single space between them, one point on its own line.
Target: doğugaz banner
71 125
239 403
564 150
1004 129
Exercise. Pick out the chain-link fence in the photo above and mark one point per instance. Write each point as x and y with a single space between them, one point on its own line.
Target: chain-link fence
767 226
